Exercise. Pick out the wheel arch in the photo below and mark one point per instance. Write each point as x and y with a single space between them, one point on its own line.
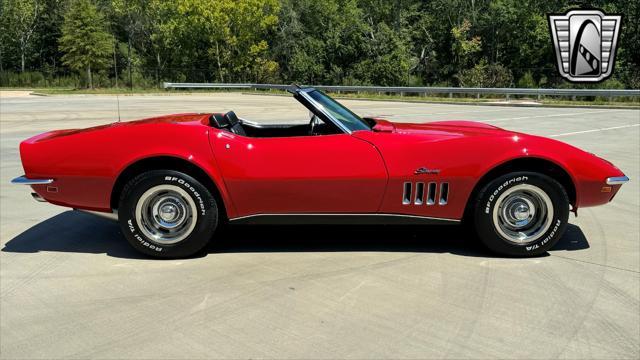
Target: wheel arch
534 164
167 162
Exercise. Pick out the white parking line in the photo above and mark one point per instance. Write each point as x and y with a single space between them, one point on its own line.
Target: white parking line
594 130
554 115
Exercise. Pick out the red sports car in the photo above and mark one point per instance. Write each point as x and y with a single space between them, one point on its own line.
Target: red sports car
171 180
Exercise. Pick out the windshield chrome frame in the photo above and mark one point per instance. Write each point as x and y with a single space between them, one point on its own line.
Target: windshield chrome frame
304 93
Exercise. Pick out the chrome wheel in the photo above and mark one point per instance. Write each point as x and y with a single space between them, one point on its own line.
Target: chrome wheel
166 214
522 214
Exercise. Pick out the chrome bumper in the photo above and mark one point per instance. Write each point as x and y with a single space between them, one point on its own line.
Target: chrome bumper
23 180
618 180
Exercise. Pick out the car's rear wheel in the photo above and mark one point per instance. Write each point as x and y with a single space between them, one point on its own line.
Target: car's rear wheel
521 214
167 214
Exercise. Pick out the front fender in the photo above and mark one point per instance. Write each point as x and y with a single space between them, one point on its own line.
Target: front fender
587 172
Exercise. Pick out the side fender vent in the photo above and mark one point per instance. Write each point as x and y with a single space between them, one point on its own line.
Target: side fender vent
406 194
444 194
431 194
419 194
425 194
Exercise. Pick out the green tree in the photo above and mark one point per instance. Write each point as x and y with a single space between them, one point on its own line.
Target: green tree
377 42
465 47
49 31
18 19
484 74
343 41
85 41
3 36
517 36
149 25
387 59
628 63
226 37
527 81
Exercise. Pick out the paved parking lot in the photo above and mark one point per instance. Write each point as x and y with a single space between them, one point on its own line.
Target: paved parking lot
70 285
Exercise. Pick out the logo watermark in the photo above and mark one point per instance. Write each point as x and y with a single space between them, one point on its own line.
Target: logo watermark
585 43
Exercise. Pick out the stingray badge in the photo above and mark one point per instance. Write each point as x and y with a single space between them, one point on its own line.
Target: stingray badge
585 44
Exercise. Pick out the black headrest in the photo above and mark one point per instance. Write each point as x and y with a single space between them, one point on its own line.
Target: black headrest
219 121
231 118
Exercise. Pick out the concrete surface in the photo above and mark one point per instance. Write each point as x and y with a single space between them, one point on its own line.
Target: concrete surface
14 93
71 287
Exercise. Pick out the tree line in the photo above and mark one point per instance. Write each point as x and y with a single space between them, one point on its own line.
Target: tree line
484 43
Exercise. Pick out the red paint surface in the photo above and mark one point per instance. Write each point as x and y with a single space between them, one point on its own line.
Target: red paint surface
362 173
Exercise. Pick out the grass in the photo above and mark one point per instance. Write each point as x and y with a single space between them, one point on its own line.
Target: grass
597 102
373 96
100 91
363 96
126 91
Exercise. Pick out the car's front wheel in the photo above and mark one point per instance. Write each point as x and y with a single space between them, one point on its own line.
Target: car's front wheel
167 214
521 214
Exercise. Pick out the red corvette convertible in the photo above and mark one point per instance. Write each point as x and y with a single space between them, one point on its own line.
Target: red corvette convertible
171 180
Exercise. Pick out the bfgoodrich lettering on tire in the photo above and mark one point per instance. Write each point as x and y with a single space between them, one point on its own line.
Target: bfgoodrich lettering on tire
167 214
521 214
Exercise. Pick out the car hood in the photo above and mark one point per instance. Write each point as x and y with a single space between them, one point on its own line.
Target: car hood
441 129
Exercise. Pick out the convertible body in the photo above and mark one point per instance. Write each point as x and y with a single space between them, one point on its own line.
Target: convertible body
386 173
364 172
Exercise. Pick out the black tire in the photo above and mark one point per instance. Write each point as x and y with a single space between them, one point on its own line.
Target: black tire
197 227
496 238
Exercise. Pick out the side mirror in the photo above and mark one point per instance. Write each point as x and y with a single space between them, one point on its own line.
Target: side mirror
383 126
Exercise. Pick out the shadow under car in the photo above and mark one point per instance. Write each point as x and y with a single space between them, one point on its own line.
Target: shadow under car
73 231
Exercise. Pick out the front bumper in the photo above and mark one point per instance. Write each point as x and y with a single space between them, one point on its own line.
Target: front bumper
618 180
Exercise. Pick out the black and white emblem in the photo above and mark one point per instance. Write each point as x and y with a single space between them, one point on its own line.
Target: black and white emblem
585 44
424 170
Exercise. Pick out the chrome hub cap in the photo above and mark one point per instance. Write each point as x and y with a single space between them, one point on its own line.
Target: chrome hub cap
522 214
169 211
518 211
166 214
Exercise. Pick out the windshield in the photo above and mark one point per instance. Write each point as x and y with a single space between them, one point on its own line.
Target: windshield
350 120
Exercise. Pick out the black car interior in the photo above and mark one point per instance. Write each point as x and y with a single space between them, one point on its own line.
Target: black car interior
231 123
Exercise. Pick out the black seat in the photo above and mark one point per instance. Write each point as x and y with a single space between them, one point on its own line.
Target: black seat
218 121
235 124
229 122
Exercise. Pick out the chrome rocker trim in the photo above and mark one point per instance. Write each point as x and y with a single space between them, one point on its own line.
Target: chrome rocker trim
105 215
618 180
23 180
339 219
